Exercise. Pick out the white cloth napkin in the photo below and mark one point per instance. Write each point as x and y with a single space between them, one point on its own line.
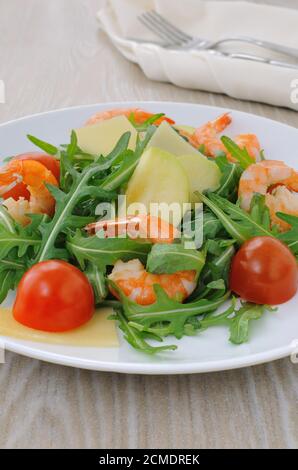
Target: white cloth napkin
201 70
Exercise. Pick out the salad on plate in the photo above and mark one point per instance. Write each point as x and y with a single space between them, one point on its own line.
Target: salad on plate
177 229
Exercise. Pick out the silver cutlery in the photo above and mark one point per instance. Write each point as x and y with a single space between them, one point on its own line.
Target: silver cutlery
254 58
230 55
175 37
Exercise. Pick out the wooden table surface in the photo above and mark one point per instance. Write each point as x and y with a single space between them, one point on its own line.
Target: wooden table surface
52 55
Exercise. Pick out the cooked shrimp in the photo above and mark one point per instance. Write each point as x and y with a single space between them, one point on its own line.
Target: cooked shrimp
147 227
250 142
137 284
282 200
139 116
208 136
277 181
34 175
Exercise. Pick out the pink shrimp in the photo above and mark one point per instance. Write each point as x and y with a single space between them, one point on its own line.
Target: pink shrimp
137 284
147 227
208 136
278 182
34 175
139 116
250 142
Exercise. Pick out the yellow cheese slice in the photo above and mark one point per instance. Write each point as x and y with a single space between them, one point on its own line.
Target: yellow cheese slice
98 332
166 138
101 138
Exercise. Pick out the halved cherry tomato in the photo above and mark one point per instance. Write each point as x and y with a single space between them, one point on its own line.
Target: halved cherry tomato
19 190
51 163
264 271
54 296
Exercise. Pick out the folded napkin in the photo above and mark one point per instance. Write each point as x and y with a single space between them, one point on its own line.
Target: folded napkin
201 70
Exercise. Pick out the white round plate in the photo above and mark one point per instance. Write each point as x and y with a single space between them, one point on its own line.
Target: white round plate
271 337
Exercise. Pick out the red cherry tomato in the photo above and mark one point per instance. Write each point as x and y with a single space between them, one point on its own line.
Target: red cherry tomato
19 190
51 163
54 296
264 271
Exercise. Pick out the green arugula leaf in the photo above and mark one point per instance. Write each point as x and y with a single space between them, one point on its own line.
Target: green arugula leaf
216 269
36 222
215 319
20 240
123 173
105 251
98 281
111 176
202 226
290 237
118 152
144 126
7 283
84 185
72 147
128 163
259 212
12 263
231 173
135 338
7 159
65 205
234 229
11 271
170 258
45 146
78 221
239 325
73 158
240 225
212 226
218 266
241 155
17 246
218 284
166 310
213 247
6 221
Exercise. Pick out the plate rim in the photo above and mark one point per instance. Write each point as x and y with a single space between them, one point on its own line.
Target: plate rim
148 368
140 102
12 344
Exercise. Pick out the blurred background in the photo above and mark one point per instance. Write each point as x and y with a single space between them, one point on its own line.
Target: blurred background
53 54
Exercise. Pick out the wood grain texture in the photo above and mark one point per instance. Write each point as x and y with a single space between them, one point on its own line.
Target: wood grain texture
53 55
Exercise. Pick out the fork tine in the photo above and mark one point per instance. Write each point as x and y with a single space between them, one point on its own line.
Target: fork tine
180 35
155 29
172 36
158 28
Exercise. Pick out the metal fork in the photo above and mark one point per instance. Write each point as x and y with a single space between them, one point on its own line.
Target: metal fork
176 38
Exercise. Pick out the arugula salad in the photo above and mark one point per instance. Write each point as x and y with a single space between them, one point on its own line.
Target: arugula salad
177 229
